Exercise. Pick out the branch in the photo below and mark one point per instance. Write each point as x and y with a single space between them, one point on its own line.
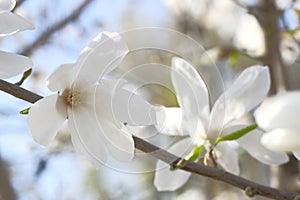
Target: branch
267 16
6 189
44 37
250 187
19 92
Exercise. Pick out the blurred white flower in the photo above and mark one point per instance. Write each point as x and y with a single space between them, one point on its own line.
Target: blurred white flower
193 7
284 4
222 17
203 125
289 49
249 36
226 19
91 107
10 23
279 116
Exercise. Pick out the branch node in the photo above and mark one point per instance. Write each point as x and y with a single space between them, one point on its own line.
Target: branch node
210 159
177 164
250 192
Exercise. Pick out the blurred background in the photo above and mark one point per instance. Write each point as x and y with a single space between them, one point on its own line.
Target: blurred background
234 33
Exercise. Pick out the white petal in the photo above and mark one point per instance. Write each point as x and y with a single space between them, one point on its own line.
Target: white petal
11 23
167 180
81 149
192 96
144 132
217 116
251 143
169 120
227 157
119 143
282 140
13 64
132 109
297 154
246 92
7 5
61 78
281 111
101 56
231 128
88 140
45 118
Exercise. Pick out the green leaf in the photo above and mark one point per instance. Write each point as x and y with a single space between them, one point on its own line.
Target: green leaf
234 56
25 111
237 134
195 153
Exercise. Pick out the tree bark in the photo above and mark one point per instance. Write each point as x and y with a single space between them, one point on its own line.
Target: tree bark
268 15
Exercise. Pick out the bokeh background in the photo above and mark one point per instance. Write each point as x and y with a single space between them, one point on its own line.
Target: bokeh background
231 31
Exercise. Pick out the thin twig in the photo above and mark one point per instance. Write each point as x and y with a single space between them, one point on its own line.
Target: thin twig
196 168
44 37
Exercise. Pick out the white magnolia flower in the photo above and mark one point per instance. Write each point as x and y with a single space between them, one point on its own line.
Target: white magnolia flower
203 124
10 23
87 104
279 117
249 36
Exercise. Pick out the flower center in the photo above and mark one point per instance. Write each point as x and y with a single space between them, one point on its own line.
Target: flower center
200 139
210 158
73 97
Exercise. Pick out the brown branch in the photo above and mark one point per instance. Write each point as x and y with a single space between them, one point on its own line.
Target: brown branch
250 187
267 15
44 37
6 189
214 173
19 92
